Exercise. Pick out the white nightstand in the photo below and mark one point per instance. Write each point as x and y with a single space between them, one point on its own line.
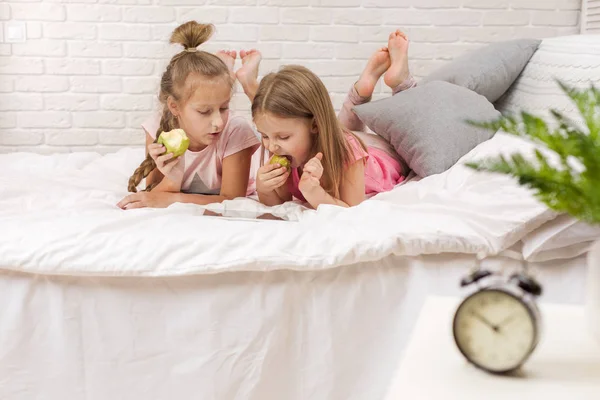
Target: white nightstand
565 365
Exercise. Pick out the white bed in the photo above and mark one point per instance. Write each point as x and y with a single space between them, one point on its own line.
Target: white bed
104 303
333 334
98 303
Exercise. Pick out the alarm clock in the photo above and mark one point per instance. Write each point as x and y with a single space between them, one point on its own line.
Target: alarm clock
498 326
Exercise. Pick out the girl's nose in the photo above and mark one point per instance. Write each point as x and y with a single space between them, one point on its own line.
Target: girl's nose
273 148
217 123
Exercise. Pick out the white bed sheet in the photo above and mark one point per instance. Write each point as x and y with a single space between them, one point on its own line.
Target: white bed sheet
562 237
59 216
331 334
105 303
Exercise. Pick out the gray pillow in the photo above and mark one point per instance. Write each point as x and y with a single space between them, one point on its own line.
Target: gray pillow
426 125
490 70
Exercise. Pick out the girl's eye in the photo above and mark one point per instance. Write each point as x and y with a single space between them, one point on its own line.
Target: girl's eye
204 112
284 138
223 109
265 138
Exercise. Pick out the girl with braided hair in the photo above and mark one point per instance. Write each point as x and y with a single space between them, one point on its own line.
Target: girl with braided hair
195 91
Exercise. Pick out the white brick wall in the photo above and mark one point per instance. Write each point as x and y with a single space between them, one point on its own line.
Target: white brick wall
88 73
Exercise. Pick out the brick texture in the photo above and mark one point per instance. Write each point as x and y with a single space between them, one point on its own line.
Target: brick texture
89 71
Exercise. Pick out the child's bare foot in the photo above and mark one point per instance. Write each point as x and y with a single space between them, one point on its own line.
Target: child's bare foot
228 57
248 72
398 48
377 65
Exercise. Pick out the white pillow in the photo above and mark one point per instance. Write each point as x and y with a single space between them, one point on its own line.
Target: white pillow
574 60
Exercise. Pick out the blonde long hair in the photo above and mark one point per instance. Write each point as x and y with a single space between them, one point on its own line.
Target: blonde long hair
296 92
190 35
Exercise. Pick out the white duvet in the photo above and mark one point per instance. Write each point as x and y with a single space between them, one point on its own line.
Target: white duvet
58 215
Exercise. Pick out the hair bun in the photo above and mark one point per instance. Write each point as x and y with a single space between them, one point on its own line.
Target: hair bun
191 35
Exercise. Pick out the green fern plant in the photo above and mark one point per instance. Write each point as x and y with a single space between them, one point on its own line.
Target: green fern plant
571 185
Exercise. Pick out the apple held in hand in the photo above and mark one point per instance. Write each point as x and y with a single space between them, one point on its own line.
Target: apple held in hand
281 160
175 141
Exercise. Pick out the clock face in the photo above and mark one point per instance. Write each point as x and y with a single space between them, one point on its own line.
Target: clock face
495 330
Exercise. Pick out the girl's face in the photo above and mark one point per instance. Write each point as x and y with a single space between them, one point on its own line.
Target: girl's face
289 137
204 115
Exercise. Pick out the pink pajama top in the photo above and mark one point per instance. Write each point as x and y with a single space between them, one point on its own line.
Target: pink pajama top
382 171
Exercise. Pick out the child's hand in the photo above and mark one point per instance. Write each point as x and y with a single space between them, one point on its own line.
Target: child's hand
271 176
148 199
314 166
171 169
311 175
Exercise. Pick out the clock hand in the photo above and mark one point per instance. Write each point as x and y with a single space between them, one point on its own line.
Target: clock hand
507 320
484 320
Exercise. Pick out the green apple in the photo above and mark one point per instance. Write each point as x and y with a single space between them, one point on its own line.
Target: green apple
175 141
281 160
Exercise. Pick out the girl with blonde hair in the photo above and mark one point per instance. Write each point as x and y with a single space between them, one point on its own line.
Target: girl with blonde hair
195 91
330 164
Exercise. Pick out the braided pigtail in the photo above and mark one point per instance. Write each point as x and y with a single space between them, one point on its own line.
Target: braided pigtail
167 123
147 166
